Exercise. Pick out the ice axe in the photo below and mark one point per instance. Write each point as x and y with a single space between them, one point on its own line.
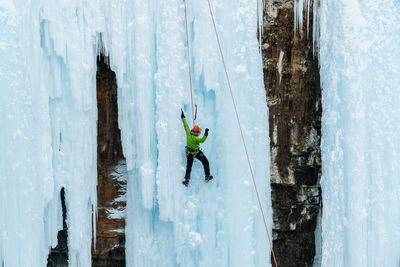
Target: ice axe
195 113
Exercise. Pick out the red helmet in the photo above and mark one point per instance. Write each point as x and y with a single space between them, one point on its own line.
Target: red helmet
197 128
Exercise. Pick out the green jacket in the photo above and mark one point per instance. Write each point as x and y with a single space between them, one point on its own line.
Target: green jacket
192 141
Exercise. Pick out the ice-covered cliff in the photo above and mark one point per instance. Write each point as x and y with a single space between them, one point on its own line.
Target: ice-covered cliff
48 108
48 113
360 76
357 44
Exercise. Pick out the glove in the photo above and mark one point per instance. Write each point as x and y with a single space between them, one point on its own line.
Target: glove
206 133
182 114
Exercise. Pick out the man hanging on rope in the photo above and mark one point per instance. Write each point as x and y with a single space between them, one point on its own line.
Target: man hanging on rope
193 150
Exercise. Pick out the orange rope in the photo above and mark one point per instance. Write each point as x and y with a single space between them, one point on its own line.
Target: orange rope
241 132
188 56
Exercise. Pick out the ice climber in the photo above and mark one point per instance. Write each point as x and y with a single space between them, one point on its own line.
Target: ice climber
193 150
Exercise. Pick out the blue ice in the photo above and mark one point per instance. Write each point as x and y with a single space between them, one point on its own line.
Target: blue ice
49 113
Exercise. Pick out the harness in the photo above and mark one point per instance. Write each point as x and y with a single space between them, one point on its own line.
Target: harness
189 150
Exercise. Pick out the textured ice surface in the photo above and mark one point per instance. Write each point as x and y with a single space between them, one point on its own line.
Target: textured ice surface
26 182
215 224
48 113
360 76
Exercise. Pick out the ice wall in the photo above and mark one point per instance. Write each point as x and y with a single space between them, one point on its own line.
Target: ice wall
48 113
360 75
216 224
48 106
26 183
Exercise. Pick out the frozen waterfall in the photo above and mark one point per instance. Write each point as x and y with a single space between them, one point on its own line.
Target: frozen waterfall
360 75
48 112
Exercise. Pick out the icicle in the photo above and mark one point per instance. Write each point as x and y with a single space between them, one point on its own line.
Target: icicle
295 20
316 27
260 14
299 7
308 17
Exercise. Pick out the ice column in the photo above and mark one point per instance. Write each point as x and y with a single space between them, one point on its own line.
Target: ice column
360 75
48 105
26 182
49 111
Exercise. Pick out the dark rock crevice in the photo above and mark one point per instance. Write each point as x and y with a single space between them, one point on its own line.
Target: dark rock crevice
291 76
58 256
111 168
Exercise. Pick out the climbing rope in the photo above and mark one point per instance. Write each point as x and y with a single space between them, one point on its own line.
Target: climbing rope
188 57
241 132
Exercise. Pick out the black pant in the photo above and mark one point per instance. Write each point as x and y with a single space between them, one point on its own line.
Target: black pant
200 156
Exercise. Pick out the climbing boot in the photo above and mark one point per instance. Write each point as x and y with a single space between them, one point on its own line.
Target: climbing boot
208 178
185 182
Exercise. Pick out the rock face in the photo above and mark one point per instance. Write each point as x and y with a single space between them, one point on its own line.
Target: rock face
110 226
291 76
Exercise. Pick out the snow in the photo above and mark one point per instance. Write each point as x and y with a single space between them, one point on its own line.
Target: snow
119 175
48 112
360 76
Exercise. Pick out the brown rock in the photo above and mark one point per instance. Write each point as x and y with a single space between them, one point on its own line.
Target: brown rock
291 76
111 168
